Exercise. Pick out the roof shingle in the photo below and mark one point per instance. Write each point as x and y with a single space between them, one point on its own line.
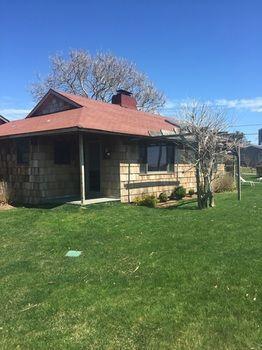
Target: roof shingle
93 115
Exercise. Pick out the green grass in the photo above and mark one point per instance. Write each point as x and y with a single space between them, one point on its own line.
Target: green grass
147 278
251 177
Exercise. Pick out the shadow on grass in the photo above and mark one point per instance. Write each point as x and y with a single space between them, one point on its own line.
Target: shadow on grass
66 205
102 206
39 206
184 205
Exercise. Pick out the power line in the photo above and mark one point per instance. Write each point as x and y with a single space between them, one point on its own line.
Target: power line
244 125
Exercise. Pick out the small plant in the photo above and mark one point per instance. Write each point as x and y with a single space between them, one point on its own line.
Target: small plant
146 200
137 200
163 197
150 201
178 193
191 192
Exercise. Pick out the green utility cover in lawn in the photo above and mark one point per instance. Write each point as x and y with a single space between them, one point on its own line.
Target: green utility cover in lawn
73 253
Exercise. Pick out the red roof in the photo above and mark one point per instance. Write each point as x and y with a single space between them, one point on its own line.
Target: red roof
92 115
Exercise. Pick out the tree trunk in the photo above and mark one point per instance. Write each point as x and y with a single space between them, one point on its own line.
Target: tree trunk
211 199
211 196
199 187
206 195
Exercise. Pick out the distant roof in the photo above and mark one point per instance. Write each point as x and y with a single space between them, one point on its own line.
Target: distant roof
4 119
88 114
254 146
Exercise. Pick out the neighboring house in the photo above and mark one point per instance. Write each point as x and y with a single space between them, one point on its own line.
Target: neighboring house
251 156
74 147
260 137
259 170
3 120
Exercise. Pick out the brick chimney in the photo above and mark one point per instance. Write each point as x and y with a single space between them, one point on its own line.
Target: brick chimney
125 99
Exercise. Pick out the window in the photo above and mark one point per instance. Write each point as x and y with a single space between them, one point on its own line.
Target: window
22 152
143 158
62 152
171 158
158 157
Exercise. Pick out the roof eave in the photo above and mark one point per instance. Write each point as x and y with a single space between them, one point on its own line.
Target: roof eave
73 129
40 133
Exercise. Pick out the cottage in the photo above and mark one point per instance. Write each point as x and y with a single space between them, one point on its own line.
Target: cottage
71 147
251 156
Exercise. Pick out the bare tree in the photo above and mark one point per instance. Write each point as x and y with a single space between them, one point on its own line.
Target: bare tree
98 77
204 132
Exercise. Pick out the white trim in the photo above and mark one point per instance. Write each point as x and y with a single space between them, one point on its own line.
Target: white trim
82 168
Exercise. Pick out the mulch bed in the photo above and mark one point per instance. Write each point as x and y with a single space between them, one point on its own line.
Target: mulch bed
174 202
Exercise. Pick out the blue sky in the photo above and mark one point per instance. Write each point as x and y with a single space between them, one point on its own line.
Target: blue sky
192 49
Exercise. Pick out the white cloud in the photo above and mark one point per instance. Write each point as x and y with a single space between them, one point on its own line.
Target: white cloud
171 104
14 113
252 104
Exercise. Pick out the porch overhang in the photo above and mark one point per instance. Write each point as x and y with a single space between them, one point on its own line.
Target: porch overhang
72 130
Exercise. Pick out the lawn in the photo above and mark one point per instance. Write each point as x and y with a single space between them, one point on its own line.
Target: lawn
147 278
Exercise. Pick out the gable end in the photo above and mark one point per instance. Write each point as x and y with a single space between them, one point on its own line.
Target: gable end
52 102
3 120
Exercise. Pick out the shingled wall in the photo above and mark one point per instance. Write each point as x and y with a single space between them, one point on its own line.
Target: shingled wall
134 184
40 179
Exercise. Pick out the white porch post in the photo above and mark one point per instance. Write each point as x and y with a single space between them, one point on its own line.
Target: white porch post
82 169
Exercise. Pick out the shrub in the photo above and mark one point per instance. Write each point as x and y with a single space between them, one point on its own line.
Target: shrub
178 193
224 183
137 200
146 200
150 201
163 197
172 195
191 192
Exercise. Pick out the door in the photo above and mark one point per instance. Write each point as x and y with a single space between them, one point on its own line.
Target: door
93 167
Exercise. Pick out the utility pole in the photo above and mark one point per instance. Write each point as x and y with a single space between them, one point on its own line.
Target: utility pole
238 173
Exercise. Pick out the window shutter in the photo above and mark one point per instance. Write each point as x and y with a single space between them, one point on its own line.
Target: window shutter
170 158
143 158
